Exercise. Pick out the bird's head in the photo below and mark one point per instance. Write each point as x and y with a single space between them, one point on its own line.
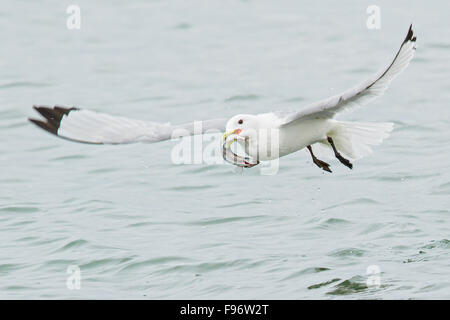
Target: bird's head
241 127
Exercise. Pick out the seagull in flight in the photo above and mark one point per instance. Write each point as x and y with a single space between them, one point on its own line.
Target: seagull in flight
311 126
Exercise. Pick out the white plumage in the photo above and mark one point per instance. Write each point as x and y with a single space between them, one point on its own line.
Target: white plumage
294 130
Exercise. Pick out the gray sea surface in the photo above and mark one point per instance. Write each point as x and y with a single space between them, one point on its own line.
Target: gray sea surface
141 227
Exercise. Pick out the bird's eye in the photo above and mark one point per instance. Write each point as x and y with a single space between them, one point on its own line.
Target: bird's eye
240 121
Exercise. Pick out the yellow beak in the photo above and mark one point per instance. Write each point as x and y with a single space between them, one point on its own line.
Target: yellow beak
227 134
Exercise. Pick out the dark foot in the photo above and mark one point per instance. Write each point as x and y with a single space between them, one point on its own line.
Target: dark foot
321 164
344 161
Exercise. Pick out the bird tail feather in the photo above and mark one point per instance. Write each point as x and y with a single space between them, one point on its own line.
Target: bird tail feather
354 139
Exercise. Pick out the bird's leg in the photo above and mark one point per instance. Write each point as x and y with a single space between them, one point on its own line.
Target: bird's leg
344 161
321 164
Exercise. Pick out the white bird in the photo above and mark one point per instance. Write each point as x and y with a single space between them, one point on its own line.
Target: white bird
258 134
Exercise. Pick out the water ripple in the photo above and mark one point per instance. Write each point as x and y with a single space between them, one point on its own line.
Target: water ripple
242 98
19 209
351 286
347 252
74 244
306 271
150 262
213 221
323 284
23 84
192 188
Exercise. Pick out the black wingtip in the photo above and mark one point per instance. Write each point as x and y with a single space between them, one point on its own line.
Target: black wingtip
410 35
53 117
45 125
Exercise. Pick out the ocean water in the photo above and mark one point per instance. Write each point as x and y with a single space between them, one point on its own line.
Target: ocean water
137 226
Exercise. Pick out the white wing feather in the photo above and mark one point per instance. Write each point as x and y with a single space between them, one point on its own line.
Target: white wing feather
98 128
360 94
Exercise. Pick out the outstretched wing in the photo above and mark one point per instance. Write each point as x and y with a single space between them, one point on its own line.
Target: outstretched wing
98 128
362 93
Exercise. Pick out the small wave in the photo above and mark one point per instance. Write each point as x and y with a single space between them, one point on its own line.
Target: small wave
239 204
430 251
22 223
295 99
415 259
332 223
206 222
9 267
242 98
183 26
104 262
306 271
206 267
74 244
347 252
353 202
27 238
354 285
144 99
70 157
192 188
18 288
373 227
60 263
323 284
102 170
18 209
140 224
153 261
443 244
23 84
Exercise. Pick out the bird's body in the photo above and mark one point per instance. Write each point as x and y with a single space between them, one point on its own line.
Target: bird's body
297 136
264 136
272 140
